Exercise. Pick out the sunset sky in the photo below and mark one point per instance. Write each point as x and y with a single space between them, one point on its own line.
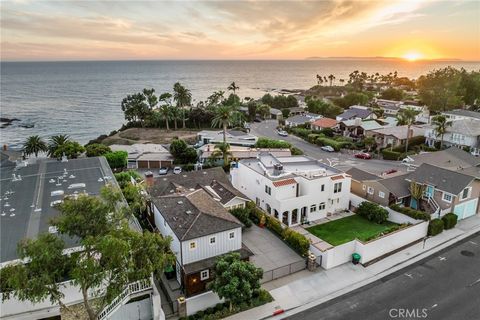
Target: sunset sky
101 30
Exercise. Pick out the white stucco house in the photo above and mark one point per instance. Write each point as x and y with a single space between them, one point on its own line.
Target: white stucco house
463 132
293 189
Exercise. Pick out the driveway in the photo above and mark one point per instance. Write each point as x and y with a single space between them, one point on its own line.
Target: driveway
340 160
271 253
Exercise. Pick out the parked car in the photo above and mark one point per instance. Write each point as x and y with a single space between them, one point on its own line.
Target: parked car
282 133
177 170
363 155
407 160
390 171
198 144
328 148
163 171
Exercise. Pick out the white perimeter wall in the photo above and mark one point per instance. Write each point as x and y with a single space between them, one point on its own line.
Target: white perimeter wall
202 302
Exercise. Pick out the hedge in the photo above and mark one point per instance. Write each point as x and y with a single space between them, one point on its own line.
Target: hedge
412 142
254 213
117 159
274 225
242 214
272 143
435 227
415 214
392 155
335 144
298 241
449 220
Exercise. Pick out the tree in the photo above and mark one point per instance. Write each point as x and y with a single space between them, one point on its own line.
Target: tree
439 89
352 98
406 117
378 112
152 99
224 116
136 108
417 191
392 94
71 149
175 112
470 87
331 78
252 109
117 159
166 108
222 150
111 256
441 125
326 109
268 99
56 142
97 149
183 97
233 87
372 212
235 280
264 110
285 113
369 142
182 152
34 145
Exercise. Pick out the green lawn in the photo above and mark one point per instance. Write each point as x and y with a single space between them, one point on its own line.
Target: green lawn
346 229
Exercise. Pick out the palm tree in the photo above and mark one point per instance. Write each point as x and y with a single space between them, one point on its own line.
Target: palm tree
441 124
417 190
165 108
34 144
331 78
406 117
221 150
183 97
175 113
56 142
224 116
233 87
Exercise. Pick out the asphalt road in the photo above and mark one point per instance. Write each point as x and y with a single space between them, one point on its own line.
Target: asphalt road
342 161
441 287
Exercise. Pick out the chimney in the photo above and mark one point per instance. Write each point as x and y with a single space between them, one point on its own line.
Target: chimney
277 169
149 178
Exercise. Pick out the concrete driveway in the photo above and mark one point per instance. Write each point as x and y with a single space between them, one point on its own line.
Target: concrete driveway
271 254
340 160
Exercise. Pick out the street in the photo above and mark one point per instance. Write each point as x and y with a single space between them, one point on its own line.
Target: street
342 161
443 286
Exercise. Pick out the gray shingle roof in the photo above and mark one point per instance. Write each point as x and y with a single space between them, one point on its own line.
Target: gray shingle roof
355 113
397 185
451 158
465 113
361 175
443 179
195 214
196 180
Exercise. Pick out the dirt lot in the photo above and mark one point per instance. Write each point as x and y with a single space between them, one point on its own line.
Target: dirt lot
150 135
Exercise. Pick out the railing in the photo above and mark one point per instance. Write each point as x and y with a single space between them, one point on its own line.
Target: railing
433 204
132 288
283 271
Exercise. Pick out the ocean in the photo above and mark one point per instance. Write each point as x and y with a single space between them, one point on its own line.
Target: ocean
82 99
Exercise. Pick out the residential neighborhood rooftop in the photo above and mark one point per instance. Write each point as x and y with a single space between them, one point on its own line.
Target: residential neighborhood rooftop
354 112
400 132
325 123
233 137
446 180
397 185
361 175
194 214
452 158
465 113
29 195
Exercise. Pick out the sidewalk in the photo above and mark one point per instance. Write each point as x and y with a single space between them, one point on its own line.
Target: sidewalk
305 289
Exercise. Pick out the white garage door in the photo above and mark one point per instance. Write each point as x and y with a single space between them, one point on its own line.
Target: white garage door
466 209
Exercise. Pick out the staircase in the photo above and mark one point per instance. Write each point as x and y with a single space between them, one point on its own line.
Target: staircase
434 205
124 296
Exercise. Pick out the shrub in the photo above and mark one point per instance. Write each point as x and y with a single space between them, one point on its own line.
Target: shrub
449 220
254 213
97 149
219 307
296 151
372 212
301 132
392 155
242 214
117 159
274 225
415 214
272 143
435 227
297 241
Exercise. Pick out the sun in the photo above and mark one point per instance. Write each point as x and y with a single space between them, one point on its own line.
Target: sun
412 56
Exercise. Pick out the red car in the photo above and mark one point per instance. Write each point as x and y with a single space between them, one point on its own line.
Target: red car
363 155
390 171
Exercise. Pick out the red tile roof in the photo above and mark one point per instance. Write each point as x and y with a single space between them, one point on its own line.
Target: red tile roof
285 182
325 123
336 177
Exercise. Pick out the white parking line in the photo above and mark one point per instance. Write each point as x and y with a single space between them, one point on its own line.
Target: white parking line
442 258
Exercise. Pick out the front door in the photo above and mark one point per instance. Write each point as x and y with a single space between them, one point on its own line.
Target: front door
429 191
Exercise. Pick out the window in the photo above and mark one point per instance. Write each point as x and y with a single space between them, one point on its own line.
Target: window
364 187
322 188
321 206
381 194
213 240
231 235
204 275
337 187
268 190
371 190
193 245
313 208
447 197
465 193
